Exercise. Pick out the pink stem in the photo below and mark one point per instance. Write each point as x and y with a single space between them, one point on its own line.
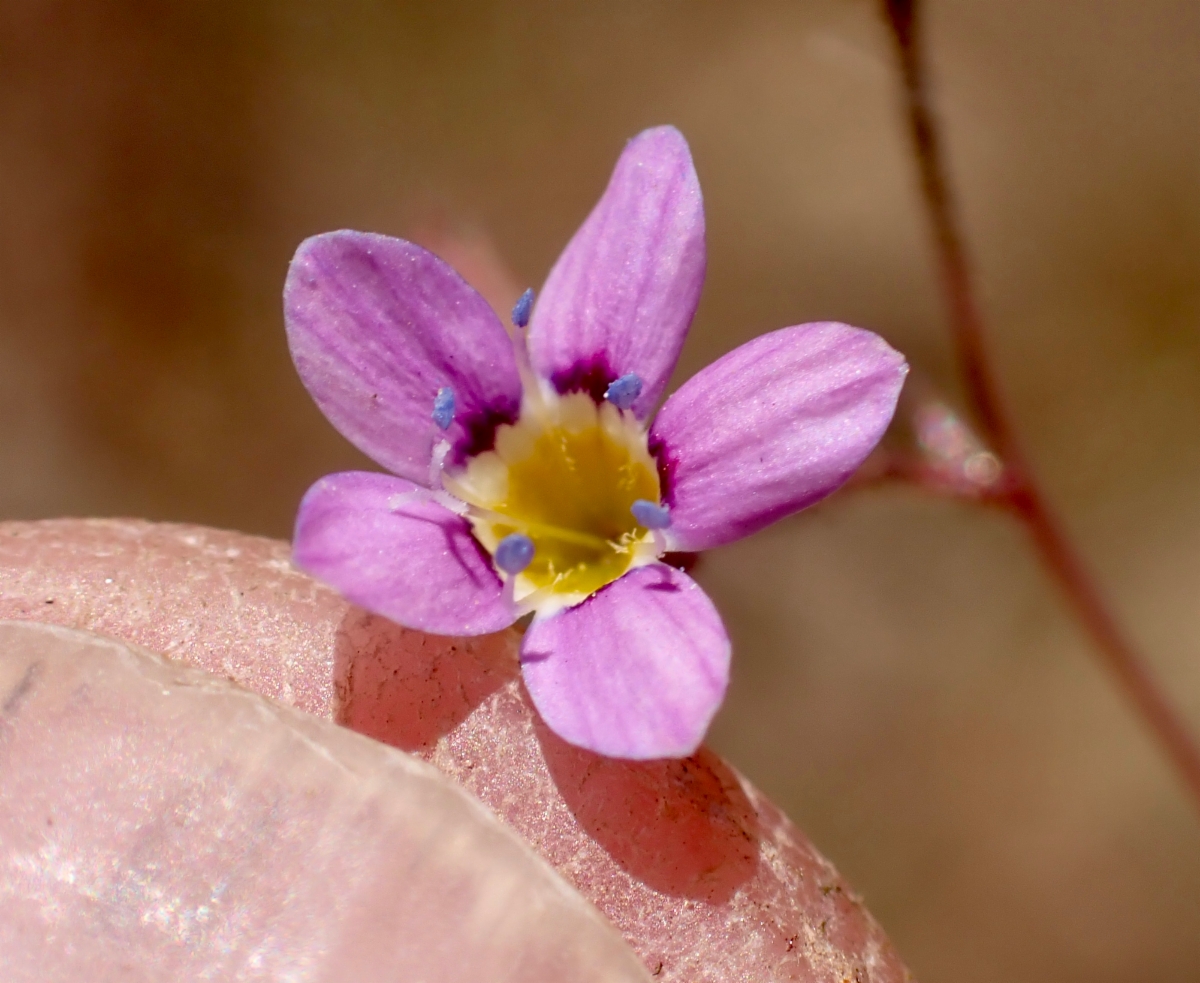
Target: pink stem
1023 494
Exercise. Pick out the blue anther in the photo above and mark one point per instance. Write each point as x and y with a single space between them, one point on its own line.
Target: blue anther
623 392
443 407
651 515
514 552
523 308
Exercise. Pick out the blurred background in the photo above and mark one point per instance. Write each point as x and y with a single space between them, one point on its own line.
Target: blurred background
907 683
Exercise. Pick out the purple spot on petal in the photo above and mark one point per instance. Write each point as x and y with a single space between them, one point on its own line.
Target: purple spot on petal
528 656
592 376
479 430
666 466
665 583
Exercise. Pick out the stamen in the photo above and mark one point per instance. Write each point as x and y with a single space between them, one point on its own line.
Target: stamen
443 407
437 462
650 514
447 501
623 392
514 553
397 502
530 385
522 309
437 492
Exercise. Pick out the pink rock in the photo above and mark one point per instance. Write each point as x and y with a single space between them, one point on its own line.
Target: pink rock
705 878
158 824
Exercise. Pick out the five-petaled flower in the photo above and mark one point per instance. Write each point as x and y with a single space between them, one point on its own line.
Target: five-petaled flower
527 476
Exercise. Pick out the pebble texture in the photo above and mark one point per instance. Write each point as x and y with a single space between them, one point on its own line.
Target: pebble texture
159 823
705 878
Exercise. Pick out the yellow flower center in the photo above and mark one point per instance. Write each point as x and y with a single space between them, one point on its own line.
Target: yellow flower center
565 475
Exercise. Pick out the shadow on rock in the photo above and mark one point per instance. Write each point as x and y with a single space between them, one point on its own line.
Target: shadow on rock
683 827
407 688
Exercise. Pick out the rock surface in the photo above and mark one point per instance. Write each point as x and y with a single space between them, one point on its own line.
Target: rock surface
159 823
704 878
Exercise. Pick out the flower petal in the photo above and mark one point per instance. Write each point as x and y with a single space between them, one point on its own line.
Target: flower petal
377 326
635 671
385 546
622 295
772 427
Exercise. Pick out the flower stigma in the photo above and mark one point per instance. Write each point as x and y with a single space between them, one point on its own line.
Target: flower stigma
564 479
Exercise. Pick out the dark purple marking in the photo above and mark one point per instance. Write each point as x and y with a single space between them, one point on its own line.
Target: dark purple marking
479 430
592 376
666 466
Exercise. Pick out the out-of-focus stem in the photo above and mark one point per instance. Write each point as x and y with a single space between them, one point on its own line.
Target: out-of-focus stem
1022 493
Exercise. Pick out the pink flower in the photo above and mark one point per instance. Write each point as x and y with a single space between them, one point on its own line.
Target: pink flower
526 476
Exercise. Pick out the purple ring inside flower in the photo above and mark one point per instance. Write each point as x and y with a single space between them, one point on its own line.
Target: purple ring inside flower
566 476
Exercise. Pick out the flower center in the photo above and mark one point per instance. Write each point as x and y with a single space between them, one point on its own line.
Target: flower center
566 475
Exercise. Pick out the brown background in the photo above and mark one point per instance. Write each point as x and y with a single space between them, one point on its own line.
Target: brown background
906 682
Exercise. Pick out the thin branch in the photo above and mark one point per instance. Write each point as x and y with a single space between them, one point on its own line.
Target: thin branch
1024 495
